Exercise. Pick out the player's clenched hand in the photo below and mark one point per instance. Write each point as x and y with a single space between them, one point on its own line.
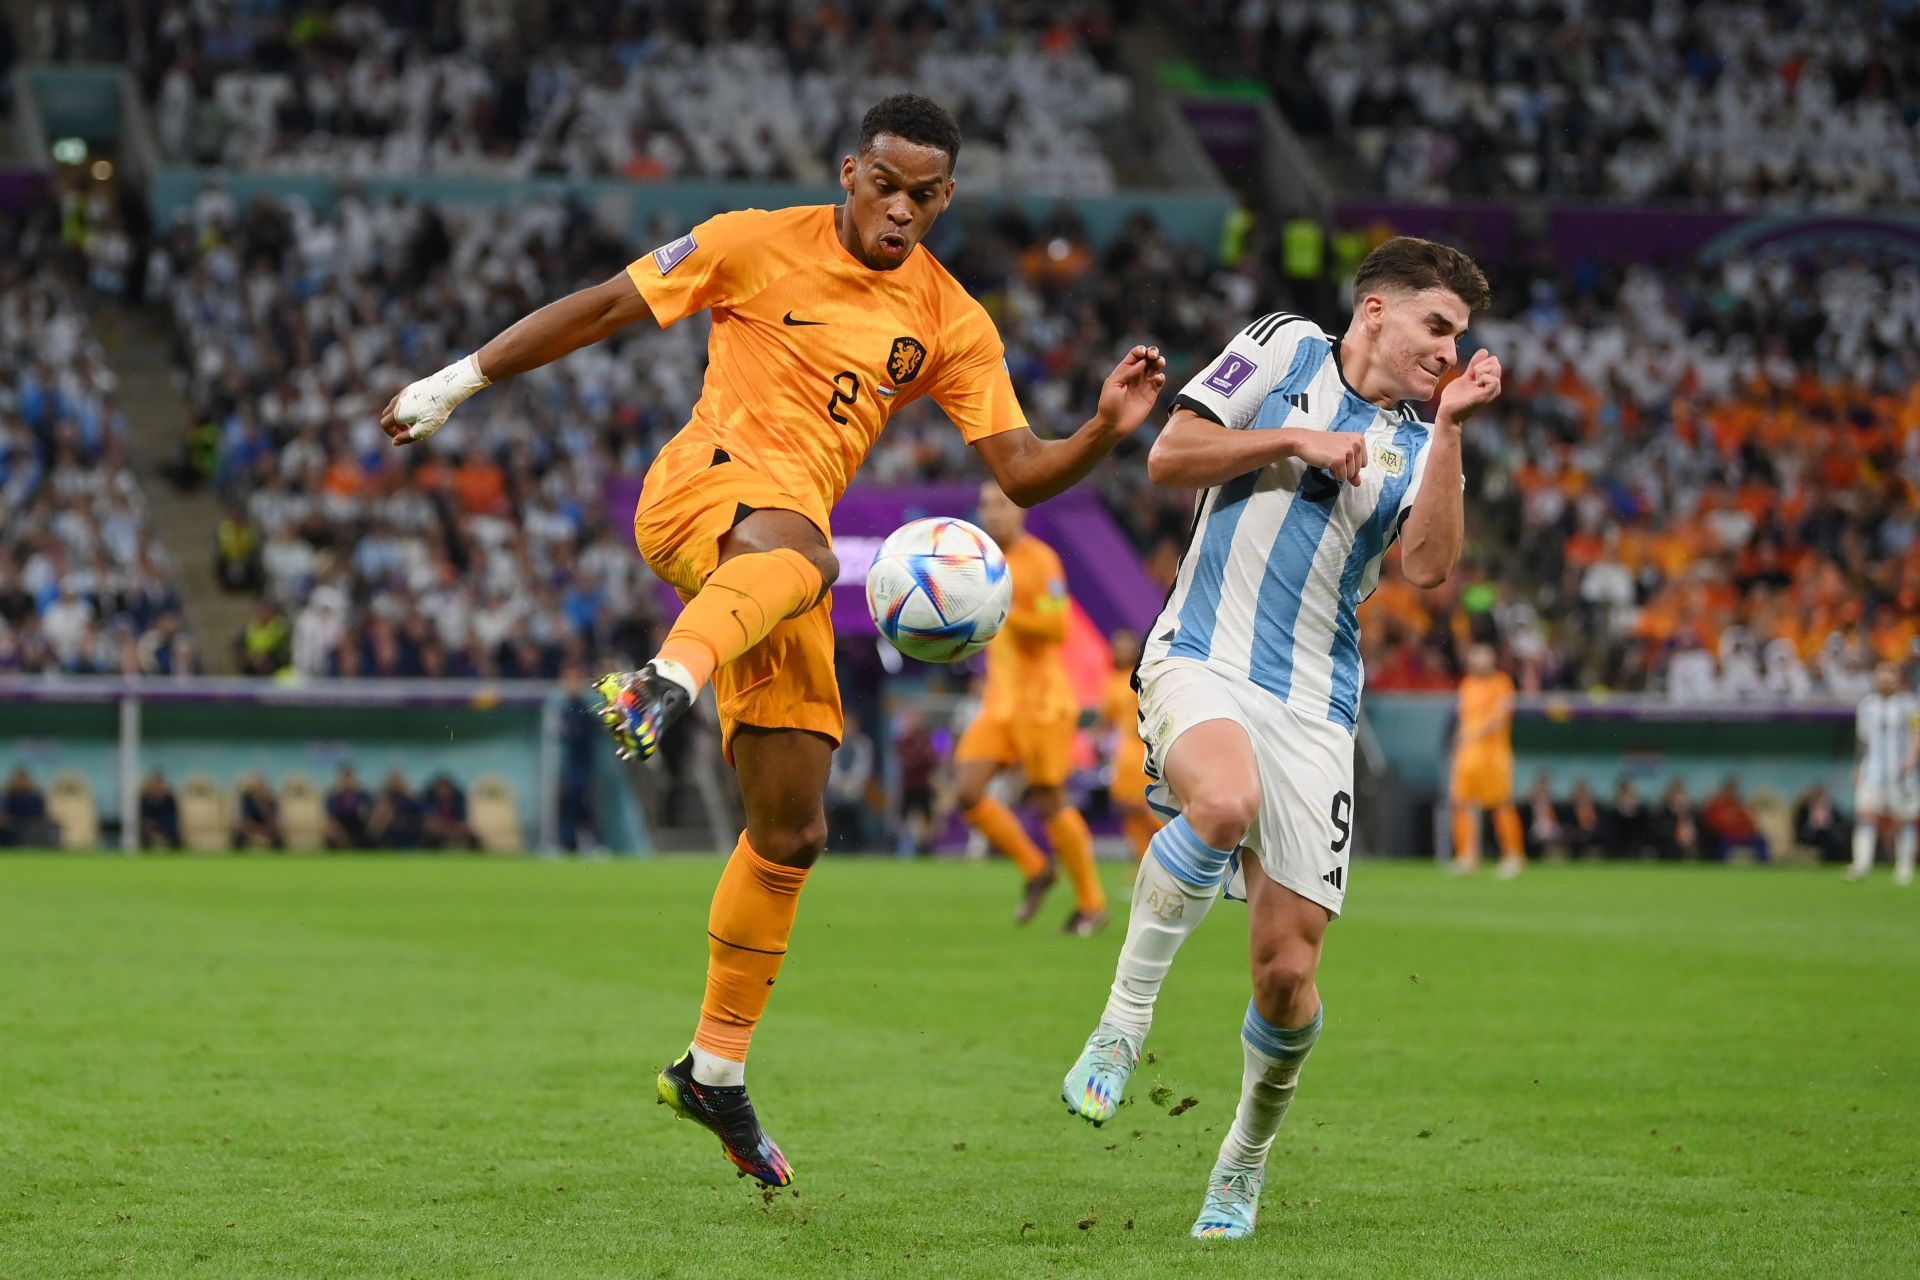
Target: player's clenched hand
422 407
1132 389
1341 454
1475 388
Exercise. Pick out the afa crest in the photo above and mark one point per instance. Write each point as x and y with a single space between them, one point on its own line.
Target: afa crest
1391 460
905 360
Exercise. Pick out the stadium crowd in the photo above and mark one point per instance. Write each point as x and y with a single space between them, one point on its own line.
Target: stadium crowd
1700 481
85 586
1750 106
643 91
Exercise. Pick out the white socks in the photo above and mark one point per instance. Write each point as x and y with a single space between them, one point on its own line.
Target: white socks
1904 846
1862 848
710 1068
1273 1058
1179 879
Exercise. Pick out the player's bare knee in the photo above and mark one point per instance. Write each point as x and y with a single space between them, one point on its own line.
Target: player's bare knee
799 846
1222 815
1281 976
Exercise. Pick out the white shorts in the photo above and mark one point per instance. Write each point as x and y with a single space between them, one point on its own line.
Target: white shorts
1900 801
1303 834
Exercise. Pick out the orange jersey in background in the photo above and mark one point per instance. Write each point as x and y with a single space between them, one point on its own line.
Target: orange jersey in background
812 351
1483 758
1121 707
1026 672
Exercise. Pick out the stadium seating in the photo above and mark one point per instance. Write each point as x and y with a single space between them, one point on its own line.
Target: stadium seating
1744 105
85 586
626 91
494 816
70 805
303 819
206 822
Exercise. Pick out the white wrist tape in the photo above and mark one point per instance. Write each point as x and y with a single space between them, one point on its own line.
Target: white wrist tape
426 404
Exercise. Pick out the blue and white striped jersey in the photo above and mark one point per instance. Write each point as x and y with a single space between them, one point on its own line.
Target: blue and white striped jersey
1280 559
1885 727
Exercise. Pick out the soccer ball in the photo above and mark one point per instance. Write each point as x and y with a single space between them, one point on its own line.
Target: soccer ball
939 590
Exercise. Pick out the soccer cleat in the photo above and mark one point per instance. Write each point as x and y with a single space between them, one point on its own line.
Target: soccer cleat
1233 1202
1510 868
1034 895
637 707
1084 924
1093 1087
726 1112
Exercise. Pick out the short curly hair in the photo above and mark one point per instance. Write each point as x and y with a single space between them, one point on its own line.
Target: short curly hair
914 118
1412 263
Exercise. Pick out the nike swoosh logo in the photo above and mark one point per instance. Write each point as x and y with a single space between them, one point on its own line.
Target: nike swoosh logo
788 319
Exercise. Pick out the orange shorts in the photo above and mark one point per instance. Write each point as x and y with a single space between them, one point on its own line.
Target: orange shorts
1042 748
693 495
1486 782
1129 789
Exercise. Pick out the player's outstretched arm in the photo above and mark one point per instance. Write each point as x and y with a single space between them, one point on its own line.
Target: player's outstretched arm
578 320
1030 470
1437 525
1194 452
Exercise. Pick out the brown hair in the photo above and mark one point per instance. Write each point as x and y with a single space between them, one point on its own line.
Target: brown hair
1408 262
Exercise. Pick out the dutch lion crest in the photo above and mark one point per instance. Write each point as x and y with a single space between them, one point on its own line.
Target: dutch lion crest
904 361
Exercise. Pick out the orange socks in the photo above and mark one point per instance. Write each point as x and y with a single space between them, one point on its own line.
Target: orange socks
742 601
1073 845
1506 829
1003 831
1466 835
747 930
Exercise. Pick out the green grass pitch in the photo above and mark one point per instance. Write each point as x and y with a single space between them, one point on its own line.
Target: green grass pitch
408 1067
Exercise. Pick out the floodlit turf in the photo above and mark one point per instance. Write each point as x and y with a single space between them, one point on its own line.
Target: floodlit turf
303 1068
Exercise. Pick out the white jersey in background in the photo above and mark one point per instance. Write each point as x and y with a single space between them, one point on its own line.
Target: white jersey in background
1885 727
1280 558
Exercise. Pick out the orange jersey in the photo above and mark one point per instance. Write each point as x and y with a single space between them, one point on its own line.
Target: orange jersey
812 351
1486 715
1026 673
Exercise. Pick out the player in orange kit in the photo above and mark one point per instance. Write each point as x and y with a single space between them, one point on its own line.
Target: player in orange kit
825 320
1120 716
1483 766
1028 719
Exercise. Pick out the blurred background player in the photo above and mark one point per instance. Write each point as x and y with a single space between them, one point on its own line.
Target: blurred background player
1120 723
1028 719
826 319
1311 462
1886 791
1483 766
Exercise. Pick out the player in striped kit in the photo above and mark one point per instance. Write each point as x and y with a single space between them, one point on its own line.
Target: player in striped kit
1311 461
1886 790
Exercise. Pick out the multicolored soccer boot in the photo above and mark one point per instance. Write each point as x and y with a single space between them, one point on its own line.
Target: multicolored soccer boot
726 1112
637 707
1094 1087
1233 1202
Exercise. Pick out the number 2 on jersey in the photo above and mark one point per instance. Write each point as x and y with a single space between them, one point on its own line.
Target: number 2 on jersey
846 390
